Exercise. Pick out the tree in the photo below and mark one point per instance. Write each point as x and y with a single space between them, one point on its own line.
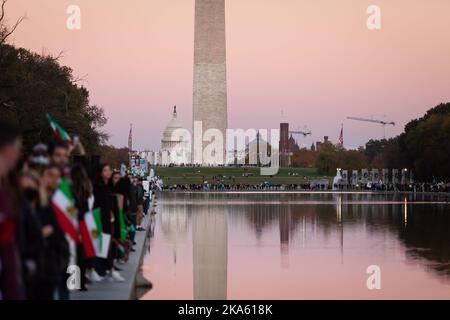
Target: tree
114 156
327 160
390 156
426 144
304 158
374 148
6 31
32 85
352 159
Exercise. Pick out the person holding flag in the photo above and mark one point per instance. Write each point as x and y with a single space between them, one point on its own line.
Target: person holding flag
59 153
89 229
61 150
56 248
121 228
104 200
60 133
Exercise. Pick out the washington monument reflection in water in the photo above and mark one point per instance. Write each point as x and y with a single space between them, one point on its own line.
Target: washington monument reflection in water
299 246
210 252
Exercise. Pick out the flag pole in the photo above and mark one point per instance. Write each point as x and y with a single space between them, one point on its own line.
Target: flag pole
130 145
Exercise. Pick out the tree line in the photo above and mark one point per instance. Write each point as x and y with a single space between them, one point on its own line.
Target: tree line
32 85
423 147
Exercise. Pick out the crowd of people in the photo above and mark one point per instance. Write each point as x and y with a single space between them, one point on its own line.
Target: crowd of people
35 252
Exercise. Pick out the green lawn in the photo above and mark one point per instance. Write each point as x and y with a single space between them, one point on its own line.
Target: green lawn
231 175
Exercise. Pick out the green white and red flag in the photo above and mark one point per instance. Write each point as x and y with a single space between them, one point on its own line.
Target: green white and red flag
60 133
91 233
64 206
123 226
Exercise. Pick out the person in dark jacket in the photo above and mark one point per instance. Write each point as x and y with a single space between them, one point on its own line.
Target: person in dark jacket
132 212
31 241
82 190
55 246
140 192
104 199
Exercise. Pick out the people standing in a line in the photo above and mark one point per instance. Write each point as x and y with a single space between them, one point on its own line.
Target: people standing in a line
104 199
31 241
82 191
140 192
123 188
117 243
10 275
132 214
56 252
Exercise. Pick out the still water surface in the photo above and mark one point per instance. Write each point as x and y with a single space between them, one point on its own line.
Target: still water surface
298 246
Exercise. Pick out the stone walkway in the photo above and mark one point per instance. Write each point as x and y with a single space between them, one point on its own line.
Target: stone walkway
107 290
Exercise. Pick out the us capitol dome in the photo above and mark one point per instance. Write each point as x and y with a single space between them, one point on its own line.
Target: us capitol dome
174 148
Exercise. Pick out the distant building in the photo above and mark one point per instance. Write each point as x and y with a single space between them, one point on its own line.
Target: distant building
293 145
319 144
175 149
256 149
285 152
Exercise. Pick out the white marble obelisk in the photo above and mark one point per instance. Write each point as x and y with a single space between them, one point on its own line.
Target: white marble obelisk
210 74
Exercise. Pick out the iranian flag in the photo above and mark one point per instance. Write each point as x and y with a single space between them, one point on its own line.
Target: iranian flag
64 206
123 226
60 133
91 233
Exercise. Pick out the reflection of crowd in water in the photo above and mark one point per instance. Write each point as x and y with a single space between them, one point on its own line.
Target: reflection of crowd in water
413 187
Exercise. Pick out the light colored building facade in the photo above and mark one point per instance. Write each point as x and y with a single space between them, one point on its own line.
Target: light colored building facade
175 149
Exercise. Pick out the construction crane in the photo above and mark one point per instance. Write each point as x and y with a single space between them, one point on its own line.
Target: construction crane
304 133
382 122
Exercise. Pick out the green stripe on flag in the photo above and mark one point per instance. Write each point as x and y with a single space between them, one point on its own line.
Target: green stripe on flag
64 187
123 226
96 213
59 131
98 219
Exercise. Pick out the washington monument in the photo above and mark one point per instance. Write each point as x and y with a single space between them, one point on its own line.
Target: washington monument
210 74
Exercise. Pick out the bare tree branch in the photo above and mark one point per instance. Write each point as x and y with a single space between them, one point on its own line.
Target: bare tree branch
5 32
2 13
80 79
11 31
59 56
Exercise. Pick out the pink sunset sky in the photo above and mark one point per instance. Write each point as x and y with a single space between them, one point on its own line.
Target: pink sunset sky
314 59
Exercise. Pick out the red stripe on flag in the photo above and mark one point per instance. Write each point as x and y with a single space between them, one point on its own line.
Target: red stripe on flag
66 224
89 249
58 135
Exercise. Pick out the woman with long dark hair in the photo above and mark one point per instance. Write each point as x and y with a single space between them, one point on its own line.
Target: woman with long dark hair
56 250
104 199
83 191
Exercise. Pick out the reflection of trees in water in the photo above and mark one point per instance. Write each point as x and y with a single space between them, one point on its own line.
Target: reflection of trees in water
424 230
289 216
427 236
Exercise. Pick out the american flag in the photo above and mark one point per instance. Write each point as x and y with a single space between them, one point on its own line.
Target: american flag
130 138
341 136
